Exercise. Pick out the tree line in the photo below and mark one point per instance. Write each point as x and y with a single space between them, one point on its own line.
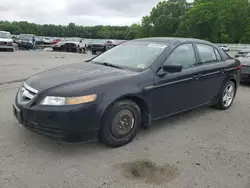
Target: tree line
220 21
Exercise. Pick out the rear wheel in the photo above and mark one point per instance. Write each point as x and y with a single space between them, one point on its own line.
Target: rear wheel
121 123
227 96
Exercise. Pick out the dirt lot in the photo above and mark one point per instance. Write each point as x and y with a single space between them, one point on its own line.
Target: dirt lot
205 148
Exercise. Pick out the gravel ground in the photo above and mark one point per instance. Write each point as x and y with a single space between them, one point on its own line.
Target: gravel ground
204 148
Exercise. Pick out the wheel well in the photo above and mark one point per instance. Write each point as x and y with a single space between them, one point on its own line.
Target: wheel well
234 81
145 115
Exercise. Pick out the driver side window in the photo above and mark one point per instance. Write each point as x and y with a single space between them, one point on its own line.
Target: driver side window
183 55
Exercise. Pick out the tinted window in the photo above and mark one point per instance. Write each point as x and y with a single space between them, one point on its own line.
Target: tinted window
183 55
217 55
207 53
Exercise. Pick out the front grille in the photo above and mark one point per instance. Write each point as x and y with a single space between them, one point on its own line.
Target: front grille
70 44
97 45
3 43
26 93
52 132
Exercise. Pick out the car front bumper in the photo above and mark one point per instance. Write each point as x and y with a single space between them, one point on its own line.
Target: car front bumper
101 48
6 47
69 124
25 45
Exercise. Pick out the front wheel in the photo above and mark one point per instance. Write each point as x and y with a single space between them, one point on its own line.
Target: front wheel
121 123
227 96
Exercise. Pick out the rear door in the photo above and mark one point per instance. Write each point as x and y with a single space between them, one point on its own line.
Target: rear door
212 71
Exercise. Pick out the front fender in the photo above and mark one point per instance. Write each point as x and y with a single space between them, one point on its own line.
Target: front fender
108 100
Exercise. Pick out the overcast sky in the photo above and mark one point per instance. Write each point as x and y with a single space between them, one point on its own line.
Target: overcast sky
83 12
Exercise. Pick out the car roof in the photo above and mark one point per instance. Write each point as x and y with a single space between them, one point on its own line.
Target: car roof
172 40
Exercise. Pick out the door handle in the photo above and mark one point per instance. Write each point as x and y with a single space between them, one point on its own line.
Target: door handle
196 77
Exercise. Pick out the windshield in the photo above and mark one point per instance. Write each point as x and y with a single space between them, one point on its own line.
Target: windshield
135 55
5 35
99 42
28 37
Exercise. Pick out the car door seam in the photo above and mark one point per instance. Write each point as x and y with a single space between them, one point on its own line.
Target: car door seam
212 73
166 84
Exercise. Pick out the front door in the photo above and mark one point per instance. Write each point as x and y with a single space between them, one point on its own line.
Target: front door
176 92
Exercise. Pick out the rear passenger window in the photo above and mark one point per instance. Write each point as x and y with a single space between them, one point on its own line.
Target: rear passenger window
217 55
207 53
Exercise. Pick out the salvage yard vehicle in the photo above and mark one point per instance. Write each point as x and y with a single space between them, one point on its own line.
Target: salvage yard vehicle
74 44
47 40
224 48
245 71
242 53
59 46
112 43
111 96
6 41
25 41
98 46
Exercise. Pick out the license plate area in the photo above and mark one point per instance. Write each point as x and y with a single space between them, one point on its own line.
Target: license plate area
17 113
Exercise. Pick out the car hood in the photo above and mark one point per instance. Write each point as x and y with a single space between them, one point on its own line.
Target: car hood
5 40
75 73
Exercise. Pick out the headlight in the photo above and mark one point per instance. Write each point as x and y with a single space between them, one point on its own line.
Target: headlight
60 101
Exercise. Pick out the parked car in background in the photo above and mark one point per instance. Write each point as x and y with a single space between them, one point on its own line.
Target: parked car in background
89 43
112 43
150 79
39 40
224 48
245 70
47 40
98 46
59 46
25 41
6 41
56 40
242 53
74 44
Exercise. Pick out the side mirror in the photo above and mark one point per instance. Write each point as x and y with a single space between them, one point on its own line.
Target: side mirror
169 69
172 68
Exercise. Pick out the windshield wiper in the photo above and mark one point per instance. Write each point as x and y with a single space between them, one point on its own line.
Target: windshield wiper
108 64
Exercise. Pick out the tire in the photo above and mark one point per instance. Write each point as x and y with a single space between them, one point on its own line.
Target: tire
226 97
120 123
